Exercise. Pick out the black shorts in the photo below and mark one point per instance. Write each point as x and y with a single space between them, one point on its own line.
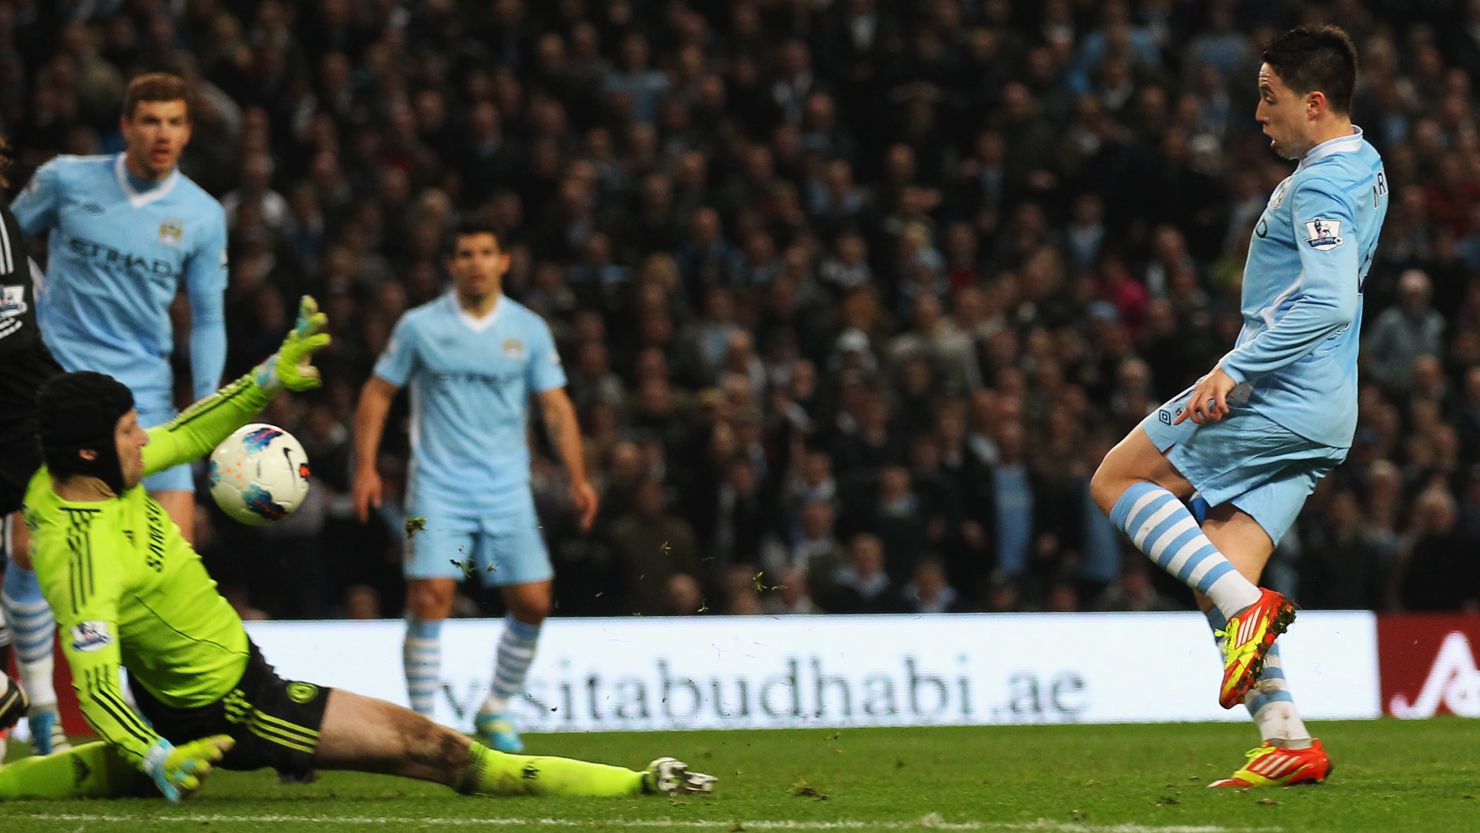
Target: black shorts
20 456
19 459
275 722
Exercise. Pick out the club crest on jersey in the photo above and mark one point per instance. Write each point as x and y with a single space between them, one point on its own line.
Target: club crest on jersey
1279 197
171 231
1323 235
90 636
513 348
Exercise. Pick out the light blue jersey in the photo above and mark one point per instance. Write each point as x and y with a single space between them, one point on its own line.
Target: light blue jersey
1302 291
471 380
118 253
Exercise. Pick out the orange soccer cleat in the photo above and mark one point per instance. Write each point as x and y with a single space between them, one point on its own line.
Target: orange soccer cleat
1273 766
1246 640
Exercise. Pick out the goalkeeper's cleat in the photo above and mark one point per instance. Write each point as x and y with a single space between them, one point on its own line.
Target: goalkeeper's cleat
670 776
1273 766
1247 639
496 731
13 702
47 735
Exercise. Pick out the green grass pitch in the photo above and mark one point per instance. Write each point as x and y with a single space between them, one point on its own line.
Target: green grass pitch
1390 776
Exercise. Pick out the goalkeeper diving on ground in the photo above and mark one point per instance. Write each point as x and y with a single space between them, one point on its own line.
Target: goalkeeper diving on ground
129 590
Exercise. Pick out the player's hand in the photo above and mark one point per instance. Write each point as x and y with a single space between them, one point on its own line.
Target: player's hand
1209 400
367 492
585 501
178 770
289 367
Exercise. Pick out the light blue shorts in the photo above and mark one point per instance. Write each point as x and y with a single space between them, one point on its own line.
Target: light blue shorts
501 549
1248 459
176 478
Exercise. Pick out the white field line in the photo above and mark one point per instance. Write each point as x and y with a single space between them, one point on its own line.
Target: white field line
930 822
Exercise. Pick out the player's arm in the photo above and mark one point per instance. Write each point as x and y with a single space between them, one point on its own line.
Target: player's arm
375 402
36 206
565 432
83 586
547 378
1325 298
392 371
1322 302
205 285
203 425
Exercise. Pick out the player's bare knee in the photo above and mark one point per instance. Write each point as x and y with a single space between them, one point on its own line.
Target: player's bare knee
531 612
1107 484
429 600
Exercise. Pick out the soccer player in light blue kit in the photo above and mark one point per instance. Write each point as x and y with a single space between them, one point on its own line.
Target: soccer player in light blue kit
472 359
1277 413
127 230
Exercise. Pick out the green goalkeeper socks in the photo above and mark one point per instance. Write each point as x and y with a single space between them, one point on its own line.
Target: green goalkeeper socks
499 773
91 770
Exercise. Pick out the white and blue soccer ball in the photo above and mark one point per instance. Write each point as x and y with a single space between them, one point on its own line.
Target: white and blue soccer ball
259 474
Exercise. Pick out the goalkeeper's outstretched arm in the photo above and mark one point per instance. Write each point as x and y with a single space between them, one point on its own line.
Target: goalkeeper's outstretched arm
203 425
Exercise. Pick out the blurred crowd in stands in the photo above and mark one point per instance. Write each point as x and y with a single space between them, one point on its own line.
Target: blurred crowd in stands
853 295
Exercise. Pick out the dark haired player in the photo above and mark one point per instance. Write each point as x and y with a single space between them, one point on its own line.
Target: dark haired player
1277 413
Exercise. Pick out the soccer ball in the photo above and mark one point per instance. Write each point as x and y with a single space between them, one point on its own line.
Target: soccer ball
259 474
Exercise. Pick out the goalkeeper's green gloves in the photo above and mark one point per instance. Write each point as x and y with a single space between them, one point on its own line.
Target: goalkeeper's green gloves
289 367
178 770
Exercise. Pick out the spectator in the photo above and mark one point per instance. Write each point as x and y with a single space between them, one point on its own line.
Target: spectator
1402 334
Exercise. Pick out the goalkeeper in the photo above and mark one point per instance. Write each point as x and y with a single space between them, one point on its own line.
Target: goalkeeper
128 589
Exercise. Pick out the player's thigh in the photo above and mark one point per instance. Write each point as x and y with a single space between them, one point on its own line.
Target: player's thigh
369 735
1135 458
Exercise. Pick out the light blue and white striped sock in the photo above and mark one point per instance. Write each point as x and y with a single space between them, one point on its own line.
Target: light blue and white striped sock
515 653
1269 700
421 656
33 633
1162 528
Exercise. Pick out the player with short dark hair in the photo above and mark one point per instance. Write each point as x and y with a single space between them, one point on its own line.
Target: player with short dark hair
1277 413
129 590
472 359
128 231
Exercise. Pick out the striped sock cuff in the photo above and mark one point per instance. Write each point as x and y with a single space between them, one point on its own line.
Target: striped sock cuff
1132 498
523 630
423 628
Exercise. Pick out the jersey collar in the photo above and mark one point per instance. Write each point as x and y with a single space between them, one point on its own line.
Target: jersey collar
471 321
1341 144
135 198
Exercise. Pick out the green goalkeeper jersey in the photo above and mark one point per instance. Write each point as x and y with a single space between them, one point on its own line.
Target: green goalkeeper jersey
127 588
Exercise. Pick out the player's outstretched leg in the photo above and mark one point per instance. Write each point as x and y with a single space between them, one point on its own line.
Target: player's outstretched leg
91 770
368 735
33 627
